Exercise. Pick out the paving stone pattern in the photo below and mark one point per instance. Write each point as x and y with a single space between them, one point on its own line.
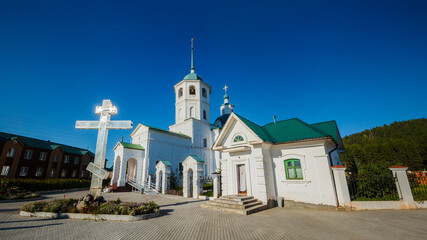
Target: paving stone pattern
183 218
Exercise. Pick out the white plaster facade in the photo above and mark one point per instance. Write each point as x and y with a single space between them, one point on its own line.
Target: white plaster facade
265 168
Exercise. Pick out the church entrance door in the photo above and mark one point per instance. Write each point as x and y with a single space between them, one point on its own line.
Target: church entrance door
241 180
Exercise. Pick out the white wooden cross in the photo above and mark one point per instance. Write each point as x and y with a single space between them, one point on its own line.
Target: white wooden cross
97 168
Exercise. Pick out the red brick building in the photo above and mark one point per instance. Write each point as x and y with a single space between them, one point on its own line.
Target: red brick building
24 157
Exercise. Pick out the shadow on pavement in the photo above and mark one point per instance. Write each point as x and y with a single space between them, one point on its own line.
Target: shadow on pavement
164 212
24 227
30 220
9 210
181 203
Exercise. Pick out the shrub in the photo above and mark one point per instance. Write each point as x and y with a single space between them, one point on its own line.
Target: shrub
48 184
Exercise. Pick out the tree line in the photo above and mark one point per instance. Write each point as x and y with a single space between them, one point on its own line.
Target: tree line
400 143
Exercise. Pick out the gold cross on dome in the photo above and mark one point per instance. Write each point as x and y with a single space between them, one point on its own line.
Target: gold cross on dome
225 88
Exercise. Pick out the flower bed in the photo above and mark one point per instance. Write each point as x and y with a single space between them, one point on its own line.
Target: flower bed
12 193
111 208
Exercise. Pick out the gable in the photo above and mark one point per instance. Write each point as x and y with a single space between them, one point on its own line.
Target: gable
233 127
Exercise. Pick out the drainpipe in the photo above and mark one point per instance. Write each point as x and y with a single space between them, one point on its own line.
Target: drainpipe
332 173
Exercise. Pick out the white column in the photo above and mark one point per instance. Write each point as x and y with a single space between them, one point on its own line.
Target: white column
121 182
402 185
157 180
196 183
224 187
341 186
215 177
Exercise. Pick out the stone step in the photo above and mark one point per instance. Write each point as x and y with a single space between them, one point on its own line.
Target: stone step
247 211
234 205
230 201
237 197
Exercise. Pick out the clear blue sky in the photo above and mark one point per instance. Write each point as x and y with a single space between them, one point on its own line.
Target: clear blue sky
361 63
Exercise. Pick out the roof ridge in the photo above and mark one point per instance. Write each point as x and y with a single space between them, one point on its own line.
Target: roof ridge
323 122
282 121
164 130
311 127
262 128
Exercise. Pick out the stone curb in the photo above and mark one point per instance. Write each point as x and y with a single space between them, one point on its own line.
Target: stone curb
83 216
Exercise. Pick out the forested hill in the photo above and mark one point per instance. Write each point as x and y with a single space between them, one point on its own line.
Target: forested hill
400 143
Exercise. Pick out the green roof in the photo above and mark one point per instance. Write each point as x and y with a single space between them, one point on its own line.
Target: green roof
48 145
293 130
226 96
132 146
169 132
192 76
166 163
197 158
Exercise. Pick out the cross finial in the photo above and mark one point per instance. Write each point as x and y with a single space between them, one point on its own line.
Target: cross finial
192 56
225 88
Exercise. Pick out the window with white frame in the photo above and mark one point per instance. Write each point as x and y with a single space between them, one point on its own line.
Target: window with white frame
55 158
52 172
28 154
11 152
23 172
66 159
293 169
43 156
74 173
76 160
39 172
5 171
64 173
238 138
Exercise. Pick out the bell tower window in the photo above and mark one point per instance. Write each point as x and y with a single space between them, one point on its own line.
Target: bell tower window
204 114
180 92
192 90
204 92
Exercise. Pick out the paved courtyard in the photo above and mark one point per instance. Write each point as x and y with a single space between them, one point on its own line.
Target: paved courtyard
183 218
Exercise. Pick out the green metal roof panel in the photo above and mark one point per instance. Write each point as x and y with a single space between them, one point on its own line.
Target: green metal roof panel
132 146
292 130
197 158
258 130
192 76
166 163
329 127
169 132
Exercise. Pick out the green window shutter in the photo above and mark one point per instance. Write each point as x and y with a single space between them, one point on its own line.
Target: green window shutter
293 169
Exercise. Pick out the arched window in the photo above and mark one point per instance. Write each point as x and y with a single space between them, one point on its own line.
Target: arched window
180 114
192 90
191 111
205 142
293 169
238 138
180 92
204 92
204 114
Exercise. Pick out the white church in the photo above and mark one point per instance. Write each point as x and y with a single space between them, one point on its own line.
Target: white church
290 158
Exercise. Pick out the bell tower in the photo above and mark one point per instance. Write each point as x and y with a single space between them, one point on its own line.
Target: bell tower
192 96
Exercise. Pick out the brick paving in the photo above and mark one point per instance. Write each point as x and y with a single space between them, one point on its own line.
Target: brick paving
183 218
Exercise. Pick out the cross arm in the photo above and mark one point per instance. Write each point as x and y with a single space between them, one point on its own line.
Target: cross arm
87 124
120 125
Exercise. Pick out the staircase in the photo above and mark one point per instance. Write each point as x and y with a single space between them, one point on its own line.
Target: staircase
238 204
148 189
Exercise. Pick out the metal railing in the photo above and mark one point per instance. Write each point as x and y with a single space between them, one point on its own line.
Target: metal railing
418 183
373 187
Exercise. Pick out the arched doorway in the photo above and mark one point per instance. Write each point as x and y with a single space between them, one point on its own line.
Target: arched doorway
131 170
190 182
